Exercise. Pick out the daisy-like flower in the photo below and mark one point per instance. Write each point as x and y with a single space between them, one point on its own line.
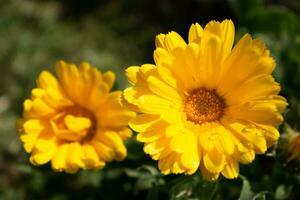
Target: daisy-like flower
74 120
294 145
205 105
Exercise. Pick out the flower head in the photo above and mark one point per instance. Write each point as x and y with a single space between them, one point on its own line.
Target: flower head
294 145
205 105
74 120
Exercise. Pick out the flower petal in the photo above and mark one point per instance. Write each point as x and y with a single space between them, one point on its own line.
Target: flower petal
214 161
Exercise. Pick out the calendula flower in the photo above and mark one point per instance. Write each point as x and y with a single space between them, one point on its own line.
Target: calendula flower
205 105
294 145
74 120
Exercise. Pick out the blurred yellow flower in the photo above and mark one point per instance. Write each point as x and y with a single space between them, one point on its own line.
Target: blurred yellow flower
73 120
203 104
294 146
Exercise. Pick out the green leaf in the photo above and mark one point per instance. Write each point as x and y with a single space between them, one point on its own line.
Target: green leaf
246 192
153 170
283 192
260 196
207 190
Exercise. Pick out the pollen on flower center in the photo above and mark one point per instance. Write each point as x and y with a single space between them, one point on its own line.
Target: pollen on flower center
74 123
204 105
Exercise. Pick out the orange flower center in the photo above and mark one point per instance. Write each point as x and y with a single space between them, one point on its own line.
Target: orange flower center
204 105
74 123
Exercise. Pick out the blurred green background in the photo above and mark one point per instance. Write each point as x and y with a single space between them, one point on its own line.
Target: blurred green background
115 34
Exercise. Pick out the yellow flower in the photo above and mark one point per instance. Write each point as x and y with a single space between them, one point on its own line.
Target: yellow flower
204 105
73 120
294 145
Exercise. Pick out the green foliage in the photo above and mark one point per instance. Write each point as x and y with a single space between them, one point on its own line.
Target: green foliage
247 193
115 34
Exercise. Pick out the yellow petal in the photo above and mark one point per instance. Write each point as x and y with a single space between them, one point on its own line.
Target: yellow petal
271 133
225 140
40 108
143 122
162 57
45 145
228 33
170 164
163 90
77 123
246 53
68 77
208 135
178 142
113 114
33 126
56 99
174 129
246 157
97 97
195 33
156 146
59 160
160 40
155 132
90 158
231 169
248 134
85 79
183 140
131 74
214 161
125 133
167 76
173 40
109 78
259 113
172 116
113 140
29 141
37 93
153 104
43 152
46 80
211 54
74 156
225 31
184 69
41 158
190 159
207 174
104 152
32 129
130 95
27 105
126 104
148 136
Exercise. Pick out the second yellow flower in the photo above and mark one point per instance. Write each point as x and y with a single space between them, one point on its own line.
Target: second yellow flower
74 120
